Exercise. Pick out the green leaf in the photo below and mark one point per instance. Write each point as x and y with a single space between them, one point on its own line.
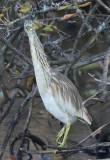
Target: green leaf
48 29
44 34
55 27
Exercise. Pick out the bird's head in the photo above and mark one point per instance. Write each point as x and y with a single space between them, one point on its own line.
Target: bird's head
28 25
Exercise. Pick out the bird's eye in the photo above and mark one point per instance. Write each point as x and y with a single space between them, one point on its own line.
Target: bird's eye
29 27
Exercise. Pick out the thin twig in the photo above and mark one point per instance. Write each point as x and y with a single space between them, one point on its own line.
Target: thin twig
97 131
29 115
14 121
16 51
85 21
92 59
82 28
104 76
103 5
91 147
96 79
90 98
91 40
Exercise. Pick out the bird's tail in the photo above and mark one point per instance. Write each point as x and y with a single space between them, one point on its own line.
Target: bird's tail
84 116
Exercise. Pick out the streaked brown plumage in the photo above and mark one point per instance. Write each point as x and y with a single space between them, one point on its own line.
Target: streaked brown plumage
59 95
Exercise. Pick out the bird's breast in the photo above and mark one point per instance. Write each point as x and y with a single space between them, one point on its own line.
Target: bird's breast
51 105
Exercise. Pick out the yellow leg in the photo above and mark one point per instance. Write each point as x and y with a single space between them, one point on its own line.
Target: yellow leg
67 128
60 134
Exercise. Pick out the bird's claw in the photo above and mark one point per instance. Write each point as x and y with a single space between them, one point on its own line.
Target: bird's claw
58 140
60 134
56 153
64 131
61 144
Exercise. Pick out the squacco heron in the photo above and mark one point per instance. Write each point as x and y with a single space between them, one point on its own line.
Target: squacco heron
59 95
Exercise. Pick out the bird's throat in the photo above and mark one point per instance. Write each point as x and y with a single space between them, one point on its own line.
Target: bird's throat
41 66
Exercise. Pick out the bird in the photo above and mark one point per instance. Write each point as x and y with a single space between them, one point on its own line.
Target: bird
59 95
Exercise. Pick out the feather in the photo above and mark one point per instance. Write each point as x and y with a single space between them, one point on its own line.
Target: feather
67 97
59 95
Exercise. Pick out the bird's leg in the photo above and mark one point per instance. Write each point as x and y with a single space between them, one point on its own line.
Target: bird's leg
65 135
60 134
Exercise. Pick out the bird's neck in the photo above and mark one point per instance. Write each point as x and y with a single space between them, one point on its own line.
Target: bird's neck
41 66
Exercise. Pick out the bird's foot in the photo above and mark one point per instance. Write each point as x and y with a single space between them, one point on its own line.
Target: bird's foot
64 131
60 134
56 153
61 144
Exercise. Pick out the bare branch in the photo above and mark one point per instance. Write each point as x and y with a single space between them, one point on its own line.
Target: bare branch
14 121
93 133
85 20
15 50
105 73
82 28
93 146
103 5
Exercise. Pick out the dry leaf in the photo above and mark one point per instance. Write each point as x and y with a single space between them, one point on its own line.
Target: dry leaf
85 4
97 99
13 157
5 9
64 7
1 15
37 24
93 40
25 9
3 21
29 80
27 4
98 131
67 16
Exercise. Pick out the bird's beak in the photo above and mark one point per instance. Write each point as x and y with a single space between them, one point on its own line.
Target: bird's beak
28 25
